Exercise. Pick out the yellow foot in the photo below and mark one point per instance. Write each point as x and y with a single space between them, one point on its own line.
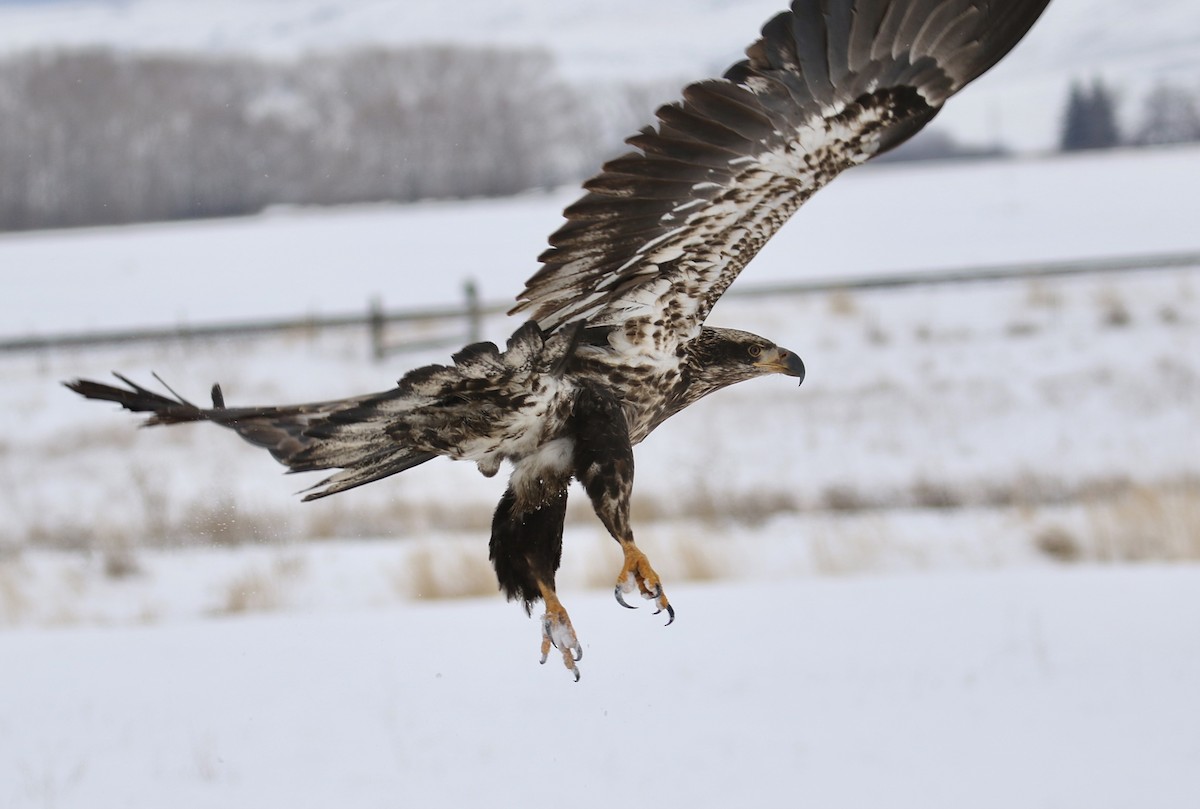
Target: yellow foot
636 574
558 632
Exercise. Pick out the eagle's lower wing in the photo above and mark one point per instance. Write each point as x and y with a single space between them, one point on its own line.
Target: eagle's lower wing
663 231
473 408
281 430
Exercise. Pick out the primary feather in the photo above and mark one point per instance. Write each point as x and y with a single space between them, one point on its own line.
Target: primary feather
664 230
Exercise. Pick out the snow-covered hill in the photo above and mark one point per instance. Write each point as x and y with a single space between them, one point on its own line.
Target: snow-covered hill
1019 103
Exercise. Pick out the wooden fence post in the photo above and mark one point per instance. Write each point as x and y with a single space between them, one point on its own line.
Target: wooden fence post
474 312
375 328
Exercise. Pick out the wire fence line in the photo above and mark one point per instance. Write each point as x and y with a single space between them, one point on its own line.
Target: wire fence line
463 322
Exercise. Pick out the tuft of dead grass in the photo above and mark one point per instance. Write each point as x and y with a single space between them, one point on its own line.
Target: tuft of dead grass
14 603
842 303
1021 328
1143 523
844 498
1114 312
444 571
260 589
1058 543
1041 294
928 494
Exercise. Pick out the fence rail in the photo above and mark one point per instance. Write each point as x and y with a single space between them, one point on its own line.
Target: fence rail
468 316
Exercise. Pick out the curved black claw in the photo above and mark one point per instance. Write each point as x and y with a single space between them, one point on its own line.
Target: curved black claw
560 635
670 615
621 599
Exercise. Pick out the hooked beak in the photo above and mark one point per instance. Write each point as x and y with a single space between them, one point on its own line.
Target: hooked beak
782 361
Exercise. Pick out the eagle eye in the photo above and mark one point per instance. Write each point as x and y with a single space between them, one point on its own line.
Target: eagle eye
755 350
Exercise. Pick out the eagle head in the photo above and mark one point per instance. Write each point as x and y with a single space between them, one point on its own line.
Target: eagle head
722 357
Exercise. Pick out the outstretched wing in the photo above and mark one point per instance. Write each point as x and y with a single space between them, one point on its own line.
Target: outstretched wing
476 408
281 430
664 230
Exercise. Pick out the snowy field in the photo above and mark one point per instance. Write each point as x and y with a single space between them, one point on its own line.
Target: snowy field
1030 688
909 582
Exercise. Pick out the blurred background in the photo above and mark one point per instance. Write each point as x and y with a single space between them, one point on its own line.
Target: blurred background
302 200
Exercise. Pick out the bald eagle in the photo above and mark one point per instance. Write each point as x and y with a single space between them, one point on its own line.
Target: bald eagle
615 340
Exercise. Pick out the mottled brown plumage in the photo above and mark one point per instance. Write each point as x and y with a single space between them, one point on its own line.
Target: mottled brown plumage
616 341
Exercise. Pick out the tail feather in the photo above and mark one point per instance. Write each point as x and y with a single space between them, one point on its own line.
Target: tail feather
292 434
138 399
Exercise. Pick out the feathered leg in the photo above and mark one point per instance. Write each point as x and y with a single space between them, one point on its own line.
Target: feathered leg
604 465
525 549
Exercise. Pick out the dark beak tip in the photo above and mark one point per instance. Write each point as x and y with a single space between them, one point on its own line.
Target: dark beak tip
797 367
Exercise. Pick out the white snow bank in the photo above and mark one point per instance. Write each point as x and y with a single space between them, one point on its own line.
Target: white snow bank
1038 688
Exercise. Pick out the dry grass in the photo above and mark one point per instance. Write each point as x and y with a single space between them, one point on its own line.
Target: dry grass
1142 523
1119 521
71 443
260 589
334 519
252 591
14 603
1114 312
843 552
439 571
842 303
928 494
120 562
63 535
1021 328
1042 294
845 498
693 561
1058 543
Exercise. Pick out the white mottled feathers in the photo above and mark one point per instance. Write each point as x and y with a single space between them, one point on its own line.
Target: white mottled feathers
664 230
487 407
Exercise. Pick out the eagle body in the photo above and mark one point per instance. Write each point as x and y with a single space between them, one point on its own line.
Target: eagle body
614 340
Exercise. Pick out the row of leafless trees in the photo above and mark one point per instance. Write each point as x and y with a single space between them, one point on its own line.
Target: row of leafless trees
98 137
94 136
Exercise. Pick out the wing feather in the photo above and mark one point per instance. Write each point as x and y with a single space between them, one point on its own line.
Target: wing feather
662 231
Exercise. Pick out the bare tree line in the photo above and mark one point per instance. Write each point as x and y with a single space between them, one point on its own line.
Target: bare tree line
98 137
95 136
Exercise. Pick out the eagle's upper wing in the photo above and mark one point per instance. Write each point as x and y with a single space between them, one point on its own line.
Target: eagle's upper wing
663 231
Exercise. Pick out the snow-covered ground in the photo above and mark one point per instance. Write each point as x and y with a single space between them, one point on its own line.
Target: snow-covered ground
950 448
1033 688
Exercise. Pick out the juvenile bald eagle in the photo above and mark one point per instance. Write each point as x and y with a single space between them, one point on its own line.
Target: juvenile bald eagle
615 342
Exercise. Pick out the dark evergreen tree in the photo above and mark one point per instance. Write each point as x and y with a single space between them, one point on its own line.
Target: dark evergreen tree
1090 121
1103 128
1074 129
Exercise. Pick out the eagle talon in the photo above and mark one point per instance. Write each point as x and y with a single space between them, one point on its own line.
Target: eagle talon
670 614
558 632
637 575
